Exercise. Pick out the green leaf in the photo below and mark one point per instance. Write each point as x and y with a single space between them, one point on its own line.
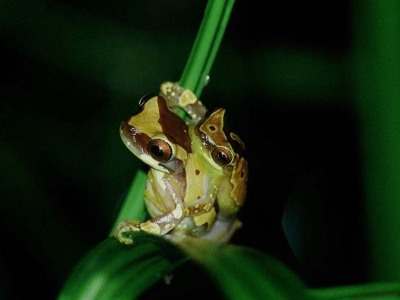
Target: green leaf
116 271
370 291
133 207
245 273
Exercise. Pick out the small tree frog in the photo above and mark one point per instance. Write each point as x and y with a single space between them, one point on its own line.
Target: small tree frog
197 178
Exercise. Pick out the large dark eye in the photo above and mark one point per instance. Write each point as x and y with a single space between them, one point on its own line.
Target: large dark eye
222 156
160 150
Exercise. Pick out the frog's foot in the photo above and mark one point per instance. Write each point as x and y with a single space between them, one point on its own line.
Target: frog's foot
177 96
124 229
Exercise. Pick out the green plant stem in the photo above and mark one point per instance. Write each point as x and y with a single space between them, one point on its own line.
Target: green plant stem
133 207
194 76
205 48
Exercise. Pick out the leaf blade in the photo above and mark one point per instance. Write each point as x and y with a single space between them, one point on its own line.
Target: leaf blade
112 270
242 272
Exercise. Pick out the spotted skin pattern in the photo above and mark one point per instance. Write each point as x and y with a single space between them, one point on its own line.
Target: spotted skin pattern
197 178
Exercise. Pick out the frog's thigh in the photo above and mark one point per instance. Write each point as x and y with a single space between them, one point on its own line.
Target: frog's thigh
222 231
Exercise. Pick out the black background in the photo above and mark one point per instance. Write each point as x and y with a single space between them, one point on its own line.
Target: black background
65 169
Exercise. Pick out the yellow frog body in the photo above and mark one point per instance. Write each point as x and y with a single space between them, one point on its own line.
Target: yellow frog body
197 178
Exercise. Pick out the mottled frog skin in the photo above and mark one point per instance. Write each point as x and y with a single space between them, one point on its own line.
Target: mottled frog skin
197 178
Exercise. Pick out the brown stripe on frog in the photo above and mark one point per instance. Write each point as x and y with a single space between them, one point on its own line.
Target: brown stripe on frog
212 129
174 128
134 139
215 132
212 126
207 143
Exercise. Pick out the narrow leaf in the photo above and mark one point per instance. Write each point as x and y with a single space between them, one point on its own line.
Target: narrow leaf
206 46
370 291
244 273
116 271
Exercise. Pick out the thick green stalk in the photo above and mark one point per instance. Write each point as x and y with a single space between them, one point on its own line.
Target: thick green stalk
377 75
205 48
194 76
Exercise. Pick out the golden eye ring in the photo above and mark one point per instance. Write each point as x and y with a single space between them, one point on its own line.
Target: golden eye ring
222 156
160 150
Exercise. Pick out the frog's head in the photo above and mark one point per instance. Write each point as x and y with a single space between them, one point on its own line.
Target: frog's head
224 151
157 136
225 147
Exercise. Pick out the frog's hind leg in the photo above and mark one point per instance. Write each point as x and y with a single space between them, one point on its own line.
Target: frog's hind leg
179 97
222 231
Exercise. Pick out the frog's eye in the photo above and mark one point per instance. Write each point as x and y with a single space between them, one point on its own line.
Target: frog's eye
222 156
160 150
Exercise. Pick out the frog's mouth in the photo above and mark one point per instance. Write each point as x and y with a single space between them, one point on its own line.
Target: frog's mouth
174 166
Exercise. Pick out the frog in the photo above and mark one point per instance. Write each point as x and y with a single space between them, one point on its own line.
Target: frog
197 177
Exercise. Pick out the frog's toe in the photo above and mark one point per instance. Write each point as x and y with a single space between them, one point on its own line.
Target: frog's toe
123 231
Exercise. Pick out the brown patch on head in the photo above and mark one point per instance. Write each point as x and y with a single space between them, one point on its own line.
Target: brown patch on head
197 172
174 128
213 127
137 140
155 118
214 134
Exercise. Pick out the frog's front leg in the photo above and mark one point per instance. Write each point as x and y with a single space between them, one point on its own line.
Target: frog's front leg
163 223
158 225
177 96
124 229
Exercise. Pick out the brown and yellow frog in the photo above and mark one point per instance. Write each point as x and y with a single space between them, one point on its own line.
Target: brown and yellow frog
197 178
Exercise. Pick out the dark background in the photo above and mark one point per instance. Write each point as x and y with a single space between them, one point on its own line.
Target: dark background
72 70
